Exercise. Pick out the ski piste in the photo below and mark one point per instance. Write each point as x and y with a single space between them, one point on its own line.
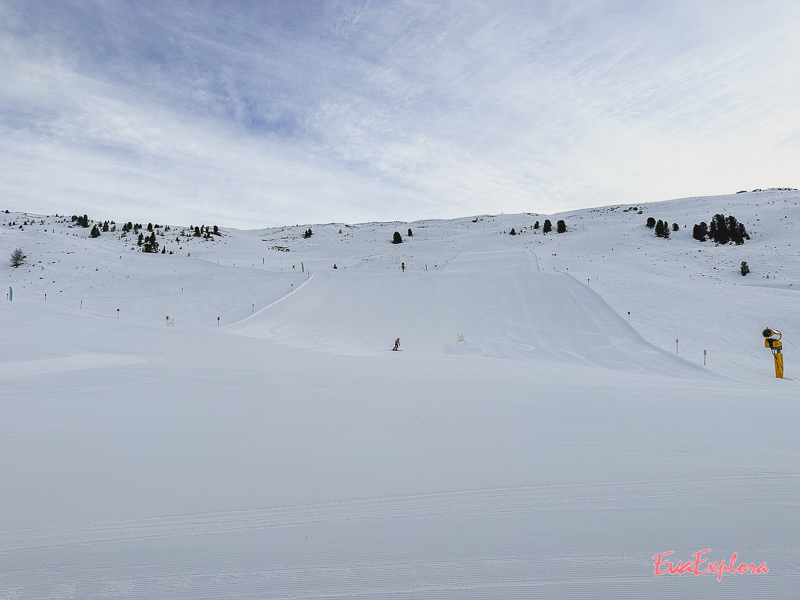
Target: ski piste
553 367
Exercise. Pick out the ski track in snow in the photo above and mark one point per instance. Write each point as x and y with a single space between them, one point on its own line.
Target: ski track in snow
410 570
76 362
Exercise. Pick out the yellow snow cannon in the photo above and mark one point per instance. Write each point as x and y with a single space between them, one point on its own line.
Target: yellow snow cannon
772 340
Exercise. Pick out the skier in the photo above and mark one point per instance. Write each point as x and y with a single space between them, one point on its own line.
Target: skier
396 344
403 266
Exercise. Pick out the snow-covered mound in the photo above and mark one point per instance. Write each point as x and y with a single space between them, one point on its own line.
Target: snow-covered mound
501 304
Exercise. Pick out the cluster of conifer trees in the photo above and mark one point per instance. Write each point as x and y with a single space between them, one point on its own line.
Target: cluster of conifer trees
721 230
82 221
147 243
561 227
662 227
204 231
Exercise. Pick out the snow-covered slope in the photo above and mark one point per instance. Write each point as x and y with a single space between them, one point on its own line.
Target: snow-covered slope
667 289
498 302
282 451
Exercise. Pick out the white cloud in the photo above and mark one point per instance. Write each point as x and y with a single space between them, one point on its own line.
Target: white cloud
283 113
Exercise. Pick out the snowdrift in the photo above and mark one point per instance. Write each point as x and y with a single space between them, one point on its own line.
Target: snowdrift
502 304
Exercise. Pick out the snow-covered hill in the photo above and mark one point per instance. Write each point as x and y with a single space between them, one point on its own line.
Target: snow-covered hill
225 419
668 289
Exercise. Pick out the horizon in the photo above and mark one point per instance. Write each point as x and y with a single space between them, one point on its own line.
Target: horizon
576 210
262 114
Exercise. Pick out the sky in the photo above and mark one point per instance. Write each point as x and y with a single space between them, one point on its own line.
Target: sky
265 113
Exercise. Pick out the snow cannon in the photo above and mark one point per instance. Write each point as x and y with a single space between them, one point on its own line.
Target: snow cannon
772 340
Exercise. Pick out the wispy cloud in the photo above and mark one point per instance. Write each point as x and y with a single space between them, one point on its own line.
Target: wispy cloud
285 112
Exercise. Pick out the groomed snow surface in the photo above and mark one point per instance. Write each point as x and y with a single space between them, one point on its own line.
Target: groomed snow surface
285 452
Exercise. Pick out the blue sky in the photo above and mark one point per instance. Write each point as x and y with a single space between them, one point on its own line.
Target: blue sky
264 113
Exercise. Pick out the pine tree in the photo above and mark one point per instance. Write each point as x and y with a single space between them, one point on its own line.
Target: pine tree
660 228
512 232
17 257
396 239
732 227
675 227
736 238
548 226
536 225
744 268
150 244
95 232
651 222
561 226
721 235
700 231
409 233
